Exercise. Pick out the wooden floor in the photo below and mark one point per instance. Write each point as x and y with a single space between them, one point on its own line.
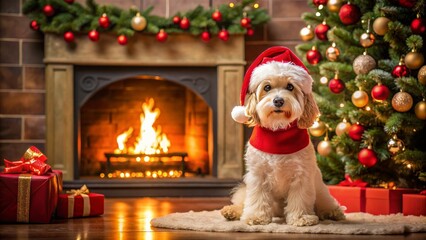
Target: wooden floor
129 218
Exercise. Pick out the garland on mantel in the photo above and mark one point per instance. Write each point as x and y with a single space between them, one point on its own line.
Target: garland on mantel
69 18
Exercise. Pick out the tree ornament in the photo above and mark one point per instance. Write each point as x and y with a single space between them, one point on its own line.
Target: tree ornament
363 64
69 1
420 110
356 131
407 3
138 22
401 70
360 98
205 36
318 128
245 22
414 59
104 21
317 3
176 20
402 101
224 35
349 14
421 76
250 32
367 39
336 85
380 25
48 10
162 35
367 157
380 92
321 31
313 56
69 37
334 5
93 35
34 25
217 16
418 25
307 33
342 128
122 39
184 23
332 53
395 145
324 147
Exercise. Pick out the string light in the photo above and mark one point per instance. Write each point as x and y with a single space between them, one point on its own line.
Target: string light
231 5
256 5
324 80
342 105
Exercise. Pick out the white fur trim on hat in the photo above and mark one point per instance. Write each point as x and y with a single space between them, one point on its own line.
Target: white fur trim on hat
275 68
239 114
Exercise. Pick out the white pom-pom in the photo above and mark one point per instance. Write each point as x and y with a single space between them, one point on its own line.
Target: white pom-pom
239 114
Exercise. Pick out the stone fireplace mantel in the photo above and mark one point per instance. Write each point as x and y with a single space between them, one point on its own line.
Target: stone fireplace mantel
180 50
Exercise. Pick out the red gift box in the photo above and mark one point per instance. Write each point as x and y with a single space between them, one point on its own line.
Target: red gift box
80 204
414 204
385 201
353 198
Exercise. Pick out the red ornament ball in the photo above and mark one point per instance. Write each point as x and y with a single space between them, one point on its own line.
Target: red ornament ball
224 35
93 35
184 23
336 85
104 21
48 10
367 157
205 36
245 22
356 131
349 14
380 92
250 32
122 40
176 20
319 2
418 26
162 36
217 16
400 71
69 1
313 56
321 31
34 25
69 37
407 3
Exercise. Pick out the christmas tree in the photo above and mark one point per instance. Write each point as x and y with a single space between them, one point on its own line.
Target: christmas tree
367 60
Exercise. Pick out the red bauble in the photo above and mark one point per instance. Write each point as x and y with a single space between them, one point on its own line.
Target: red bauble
48 10
349 14
34 25
205 36
407 3
319 2
313 56
367 157
162 36
176 20
122 39
104 21
380 92
418 26
69 1
356 131
184 23
321 31
336 85
69 36
245 22
250 32
217 16
93 35
400 71
224 35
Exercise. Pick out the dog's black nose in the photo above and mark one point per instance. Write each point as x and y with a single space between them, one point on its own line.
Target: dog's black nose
278 102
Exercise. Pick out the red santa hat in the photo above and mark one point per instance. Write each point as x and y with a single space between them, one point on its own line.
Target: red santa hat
274 61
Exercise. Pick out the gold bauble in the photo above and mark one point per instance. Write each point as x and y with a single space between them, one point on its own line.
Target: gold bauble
363 64
395 145
332 53
402 102
360 98
317 129
342 128
420 110
307 33
367 39
324 148
334 5
414 60
421 76
138 22
380 26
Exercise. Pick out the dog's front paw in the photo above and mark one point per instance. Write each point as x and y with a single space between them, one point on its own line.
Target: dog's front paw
336 214
232 212
303 220
257 220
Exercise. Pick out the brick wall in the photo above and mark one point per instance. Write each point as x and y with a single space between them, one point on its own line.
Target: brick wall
22 86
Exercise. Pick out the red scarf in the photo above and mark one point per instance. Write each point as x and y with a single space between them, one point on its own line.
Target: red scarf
283 141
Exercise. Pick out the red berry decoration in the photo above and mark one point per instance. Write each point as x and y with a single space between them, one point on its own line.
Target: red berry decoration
69 37
205 36
217 16
93 35
418 26
104 21
250 32
400 70
224 35
176 20
336 85
162 36
48 10
407 3
69 1
34 25
184 23
122 39
245 22
319 2
367 157
356 131
380 92
313 56
321 31
349 14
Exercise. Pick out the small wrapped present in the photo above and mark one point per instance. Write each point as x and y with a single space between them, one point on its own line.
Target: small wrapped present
80 203
29 189
350 193
382 201
414 204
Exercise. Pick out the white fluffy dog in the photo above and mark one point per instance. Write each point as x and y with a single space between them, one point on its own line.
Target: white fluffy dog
282 178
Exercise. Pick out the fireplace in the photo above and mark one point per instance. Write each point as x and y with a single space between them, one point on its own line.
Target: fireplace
194 85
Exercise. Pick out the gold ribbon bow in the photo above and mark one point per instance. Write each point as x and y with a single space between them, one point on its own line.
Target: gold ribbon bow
76 192
83 192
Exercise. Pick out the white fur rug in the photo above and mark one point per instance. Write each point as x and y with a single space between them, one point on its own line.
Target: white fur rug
355 223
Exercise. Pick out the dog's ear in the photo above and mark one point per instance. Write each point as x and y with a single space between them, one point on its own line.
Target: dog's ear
310 113
251 110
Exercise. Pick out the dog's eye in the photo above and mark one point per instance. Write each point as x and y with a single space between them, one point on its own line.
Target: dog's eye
267 88
290 87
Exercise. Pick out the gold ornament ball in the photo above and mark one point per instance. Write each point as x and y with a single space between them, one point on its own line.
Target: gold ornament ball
402 102
380 26
395 145
332 53
138 22
342 128
363 64
420 110
317 129
414 60
334 5
360 98
421 76
367 39
307 33
324 148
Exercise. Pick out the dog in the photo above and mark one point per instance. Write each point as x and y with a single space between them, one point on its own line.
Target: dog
282 177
